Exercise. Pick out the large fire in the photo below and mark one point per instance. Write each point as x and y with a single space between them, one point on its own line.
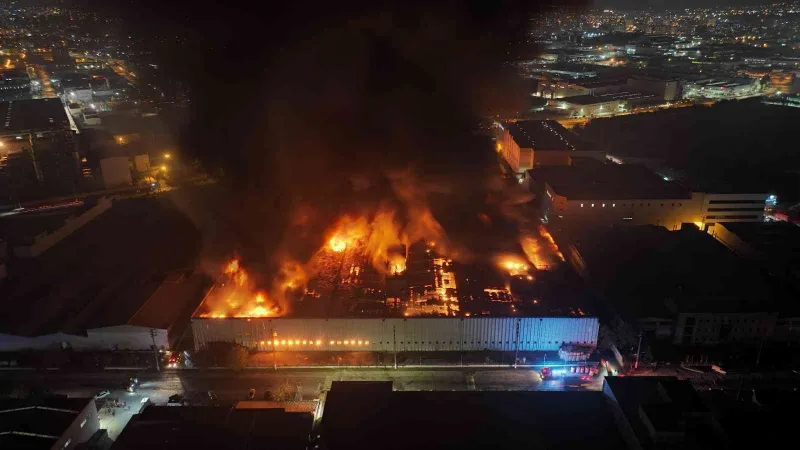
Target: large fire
380 237
237 296
541 250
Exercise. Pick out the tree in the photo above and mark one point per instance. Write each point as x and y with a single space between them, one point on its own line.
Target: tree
222 354
618 333
286 391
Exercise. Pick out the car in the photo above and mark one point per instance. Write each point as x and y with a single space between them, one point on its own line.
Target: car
102 394
252 394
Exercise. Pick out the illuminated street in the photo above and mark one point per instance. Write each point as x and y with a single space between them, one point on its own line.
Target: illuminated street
47 86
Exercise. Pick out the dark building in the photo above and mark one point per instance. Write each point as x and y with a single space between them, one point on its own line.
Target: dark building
51 423
15 84
249 425
665 413
38 150
361 415
682 285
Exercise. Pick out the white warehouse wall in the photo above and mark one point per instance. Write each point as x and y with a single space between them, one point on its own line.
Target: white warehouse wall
410 334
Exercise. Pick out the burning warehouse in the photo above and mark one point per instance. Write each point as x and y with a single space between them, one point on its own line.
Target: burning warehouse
358 294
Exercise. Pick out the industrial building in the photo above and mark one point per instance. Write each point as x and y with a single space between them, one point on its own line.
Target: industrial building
721 89
248 425
529 143
38 150
664 412
683 285
52 423
602 104
399 334
591 192
134 292
358 415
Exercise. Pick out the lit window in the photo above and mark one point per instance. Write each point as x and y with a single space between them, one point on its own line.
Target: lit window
604 205
360 342
592 205
67 443
269 342
262 342
613 205
83 422
366 342
346 342
305 342
290 342
332 343
581 205
318 342
297 342
284 342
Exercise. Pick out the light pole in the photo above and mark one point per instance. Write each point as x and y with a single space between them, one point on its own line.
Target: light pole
274 345
153 332
638 349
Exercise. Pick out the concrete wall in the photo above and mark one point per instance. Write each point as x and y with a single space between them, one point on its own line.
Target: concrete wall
123 337
731 207
714 328
44 241
84 426
410 334
116 171
509 149
669 213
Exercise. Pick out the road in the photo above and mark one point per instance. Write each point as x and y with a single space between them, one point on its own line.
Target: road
47 86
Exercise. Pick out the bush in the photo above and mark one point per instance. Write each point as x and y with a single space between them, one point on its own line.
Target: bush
222 354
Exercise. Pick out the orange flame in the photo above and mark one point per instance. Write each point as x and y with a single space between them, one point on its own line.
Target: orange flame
239 298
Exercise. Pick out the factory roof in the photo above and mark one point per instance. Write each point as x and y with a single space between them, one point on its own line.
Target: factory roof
677 271
37 424
667 405
606 181
359 414
768 238
605 98
42 114
132 245
542 135
165 427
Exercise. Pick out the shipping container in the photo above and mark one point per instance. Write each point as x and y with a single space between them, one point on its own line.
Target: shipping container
399 334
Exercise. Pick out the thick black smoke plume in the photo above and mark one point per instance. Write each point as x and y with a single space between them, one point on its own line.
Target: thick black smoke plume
312 113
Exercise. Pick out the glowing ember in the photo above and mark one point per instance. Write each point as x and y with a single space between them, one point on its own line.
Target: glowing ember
514 265
337 244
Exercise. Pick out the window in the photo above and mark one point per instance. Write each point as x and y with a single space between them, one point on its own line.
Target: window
613 205
592 205
581 205
83 422
604 205
66 444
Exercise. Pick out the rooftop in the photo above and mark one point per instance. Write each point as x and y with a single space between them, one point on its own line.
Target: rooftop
669 405
166 427
543 135
33 115
133 247
605 98
599 181
37 424
360 414
779 240
686 271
